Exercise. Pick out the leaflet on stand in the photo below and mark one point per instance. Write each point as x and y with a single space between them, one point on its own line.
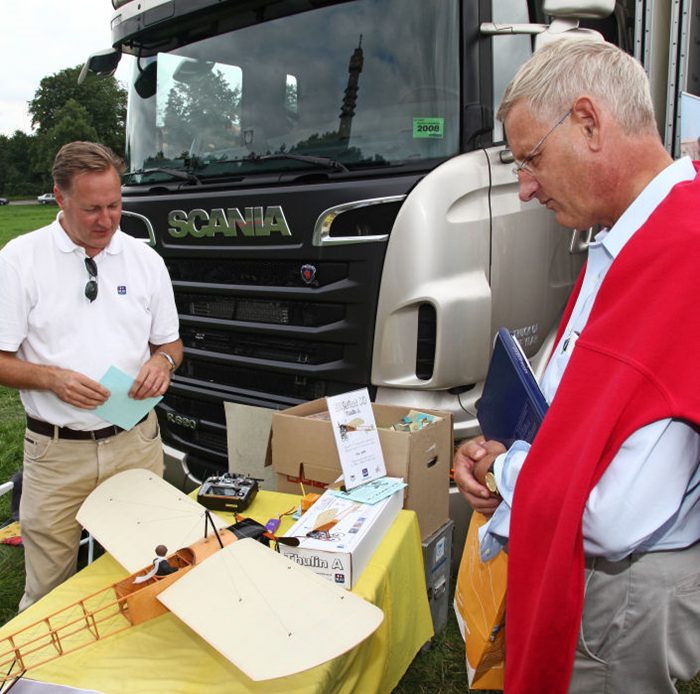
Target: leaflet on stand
356 437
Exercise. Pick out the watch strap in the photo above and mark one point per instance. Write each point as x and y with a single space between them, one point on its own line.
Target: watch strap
171 361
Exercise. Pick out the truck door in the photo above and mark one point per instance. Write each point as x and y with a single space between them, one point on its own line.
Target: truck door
533 260
466 257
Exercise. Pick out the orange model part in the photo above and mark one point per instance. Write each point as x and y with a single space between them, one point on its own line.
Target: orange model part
113 609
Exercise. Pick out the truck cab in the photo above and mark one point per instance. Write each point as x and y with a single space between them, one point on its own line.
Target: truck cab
335 201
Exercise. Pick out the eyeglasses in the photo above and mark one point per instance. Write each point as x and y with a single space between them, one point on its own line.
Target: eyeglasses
523 165
91 286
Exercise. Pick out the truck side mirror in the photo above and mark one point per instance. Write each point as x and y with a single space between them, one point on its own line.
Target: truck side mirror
147 81
104 63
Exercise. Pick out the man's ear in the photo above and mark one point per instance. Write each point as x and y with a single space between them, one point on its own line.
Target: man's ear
60 198
586 113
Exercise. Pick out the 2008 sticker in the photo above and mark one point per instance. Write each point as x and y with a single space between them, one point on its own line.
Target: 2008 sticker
428 127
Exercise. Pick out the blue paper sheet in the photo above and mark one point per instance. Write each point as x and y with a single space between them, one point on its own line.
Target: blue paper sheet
372 492
120 409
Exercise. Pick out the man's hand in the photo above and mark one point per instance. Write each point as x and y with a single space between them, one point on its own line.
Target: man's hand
77 389
152 380
472 460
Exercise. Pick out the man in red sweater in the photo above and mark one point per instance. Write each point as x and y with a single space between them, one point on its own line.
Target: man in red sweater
601 515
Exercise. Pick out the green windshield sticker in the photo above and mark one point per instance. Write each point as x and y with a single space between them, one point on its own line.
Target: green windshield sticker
429 127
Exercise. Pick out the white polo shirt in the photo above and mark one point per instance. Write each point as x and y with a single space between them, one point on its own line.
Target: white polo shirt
46 318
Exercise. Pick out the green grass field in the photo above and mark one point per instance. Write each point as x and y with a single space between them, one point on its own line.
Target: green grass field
19 219
14 220
437 670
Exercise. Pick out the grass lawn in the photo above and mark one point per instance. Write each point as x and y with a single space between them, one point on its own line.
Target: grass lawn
437 670
11 558
14 220
19 219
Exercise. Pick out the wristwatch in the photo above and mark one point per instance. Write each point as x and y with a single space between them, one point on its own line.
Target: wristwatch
490 481
171 361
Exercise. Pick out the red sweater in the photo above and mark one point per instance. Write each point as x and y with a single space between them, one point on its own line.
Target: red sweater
634 363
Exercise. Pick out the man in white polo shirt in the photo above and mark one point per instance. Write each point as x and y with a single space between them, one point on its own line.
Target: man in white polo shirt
80 296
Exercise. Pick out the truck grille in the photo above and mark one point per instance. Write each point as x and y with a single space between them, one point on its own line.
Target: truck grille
296 386
269 311
267 324
259 347
256 273
197 409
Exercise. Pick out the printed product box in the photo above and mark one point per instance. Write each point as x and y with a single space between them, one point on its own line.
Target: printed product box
304 451
338 537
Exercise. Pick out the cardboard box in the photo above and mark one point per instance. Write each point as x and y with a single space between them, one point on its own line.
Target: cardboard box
341 552
304 450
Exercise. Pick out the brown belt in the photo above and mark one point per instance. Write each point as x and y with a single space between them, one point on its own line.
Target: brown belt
45 429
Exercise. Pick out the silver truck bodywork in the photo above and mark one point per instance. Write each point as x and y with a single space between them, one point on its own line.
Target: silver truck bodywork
462 244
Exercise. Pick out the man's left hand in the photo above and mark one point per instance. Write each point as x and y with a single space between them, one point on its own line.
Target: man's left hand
152 380
471 464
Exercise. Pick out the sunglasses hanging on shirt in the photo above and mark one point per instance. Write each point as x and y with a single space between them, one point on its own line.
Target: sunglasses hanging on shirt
91 286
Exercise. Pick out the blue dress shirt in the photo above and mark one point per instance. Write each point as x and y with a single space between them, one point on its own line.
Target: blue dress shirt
648 499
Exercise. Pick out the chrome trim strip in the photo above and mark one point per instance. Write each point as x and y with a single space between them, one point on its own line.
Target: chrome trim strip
322 237
151 241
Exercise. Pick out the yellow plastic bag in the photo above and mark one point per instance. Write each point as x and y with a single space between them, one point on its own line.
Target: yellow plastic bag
479 603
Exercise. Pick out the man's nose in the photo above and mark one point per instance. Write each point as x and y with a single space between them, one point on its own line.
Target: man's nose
105 218
527 186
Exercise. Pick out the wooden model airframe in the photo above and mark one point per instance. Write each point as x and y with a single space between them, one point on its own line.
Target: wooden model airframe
221 581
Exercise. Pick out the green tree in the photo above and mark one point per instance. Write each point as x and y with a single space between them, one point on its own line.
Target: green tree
102 98
72 123
16 174
204 106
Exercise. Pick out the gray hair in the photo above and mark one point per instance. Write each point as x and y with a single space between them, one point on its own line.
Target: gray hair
563 70
77 158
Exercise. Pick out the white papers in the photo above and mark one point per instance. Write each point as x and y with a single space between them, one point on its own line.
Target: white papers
356 437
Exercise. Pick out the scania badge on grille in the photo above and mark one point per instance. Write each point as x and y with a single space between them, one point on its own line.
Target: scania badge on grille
308 273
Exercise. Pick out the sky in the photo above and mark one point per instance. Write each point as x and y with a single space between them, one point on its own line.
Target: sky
41 37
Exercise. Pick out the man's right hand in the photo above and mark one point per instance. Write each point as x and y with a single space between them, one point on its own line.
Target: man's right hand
77 389
476 455
70 386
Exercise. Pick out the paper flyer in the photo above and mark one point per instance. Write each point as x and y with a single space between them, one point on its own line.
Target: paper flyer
120 409
372 492
356 437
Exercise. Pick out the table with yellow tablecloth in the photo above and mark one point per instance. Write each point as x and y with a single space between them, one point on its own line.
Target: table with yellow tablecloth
165 655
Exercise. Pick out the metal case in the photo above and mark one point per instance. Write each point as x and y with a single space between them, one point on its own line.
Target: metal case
437 559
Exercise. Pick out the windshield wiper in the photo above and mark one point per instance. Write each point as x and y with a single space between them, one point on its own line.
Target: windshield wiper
309 159
175 173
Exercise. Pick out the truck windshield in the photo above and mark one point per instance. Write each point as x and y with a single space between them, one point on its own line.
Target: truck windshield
363 84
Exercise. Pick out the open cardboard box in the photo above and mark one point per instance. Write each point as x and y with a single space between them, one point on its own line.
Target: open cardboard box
304 451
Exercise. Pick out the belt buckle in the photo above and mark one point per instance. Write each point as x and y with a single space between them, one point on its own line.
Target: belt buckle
105 433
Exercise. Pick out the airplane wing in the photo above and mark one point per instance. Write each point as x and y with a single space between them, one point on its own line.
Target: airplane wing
134 511
266 614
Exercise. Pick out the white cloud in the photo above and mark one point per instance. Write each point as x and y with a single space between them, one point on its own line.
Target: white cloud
41 37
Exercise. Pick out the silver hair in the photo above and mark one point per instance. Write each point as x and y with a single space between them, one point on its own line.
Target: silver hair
561 71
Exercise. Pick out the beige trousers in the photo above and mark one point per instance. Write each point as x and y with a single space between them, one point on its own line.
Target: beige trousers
58 475
641 624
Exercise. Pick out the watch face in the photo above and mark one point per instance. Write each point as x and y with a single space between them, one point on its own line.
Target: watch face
490 482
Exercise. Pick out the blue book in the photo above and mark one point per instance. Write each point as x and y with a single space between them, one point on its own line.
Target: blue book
512 405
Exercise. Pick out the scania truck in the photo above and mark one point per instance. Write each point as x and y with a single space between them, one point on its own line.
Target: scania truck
335 200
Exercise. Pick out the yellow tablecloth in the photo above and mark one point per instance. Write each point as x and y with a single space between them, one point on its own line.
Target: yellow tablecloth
164 655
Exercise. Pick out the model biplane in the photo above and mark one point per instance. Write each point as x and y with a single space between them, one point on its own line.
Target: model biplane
221 582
